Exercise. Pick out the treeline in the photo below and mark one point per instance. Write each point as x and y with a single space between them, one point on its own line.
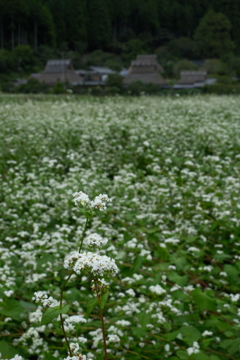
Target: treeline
88 25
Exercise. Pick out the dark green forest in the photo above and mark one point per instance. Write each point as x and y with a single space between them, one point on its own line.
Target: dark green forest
112 32
87 25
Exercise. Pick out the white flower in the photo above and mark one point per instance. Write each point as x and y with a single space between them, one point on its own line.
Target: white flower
95 240
157 289
113 338
42 297
130 292
100 202
74 347
81 199
96 264
8 293
207 333
123 323
17 357
194 349
75 319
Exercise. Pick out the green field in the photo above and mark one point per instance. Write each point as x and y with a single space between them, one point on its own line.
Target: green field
172 168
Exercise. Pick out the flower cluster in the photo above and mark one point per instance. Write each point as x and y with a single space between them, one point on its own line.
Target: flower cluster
98 203
44 299
95 240
94 263
77 357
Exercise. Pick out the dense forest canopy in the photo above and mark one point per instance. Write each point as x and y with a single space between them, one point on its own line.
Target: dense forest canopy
87 25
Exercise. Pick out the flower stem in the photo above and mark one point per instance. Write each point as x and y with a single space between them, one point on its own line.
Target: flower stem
62 322
63 286
102 321
83 235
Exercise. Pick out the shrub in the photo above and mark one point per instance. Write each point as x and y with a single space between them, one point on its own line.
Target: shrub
215 66
59 88
184 65
33 86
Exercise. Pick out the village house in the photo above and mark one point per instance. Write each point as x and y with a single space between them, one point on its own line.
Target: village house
191 79
95 76
60 70
146 69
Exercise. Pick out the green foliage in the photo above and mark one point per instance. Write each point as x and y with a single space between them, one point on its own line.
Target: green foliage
104 299
6 61
221 89
115 80
23 55
59 88
182 48
171 166
215 66
53 312
33 86
184 65
212 35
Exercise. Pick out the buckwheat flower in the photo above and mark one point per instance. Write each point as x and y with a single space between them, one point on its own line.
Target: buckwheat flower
81 199
131 292
113 338
75 319
194 349
8 293
100 202
95 240
207 333
91 262
42 297
82 339
157 289
74 347
123 323
167 347
17 357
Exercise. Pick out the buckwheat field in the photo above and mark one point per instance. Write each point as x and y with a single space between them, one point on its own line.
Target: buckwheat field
120 228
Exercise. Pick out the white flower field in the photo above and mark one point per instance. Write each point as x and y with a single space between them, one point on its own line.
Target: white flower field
169 264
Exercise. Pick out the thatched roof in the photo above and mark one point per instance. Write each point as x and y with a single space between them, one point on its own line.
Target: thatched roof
147 60
148 78
146 69
192 77
59 70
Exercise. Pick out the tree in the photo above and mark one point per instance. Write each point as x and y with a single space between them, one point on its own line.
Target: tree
212 35
76 23
99 25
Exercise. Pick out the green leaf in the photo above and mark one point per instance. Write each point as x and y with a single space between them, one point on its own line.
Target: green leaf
232 345
52 313
7 350
183 355
172 335
202 300
49 357
232 273
87 214
13 309
91 306
162 254
177 279
138 331
144 319
103 301
138 262
190 334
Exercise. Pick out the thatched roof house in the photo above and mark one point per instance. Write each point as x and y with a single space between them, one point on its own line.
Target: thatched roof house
194 78
59 70
96 75
146 69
